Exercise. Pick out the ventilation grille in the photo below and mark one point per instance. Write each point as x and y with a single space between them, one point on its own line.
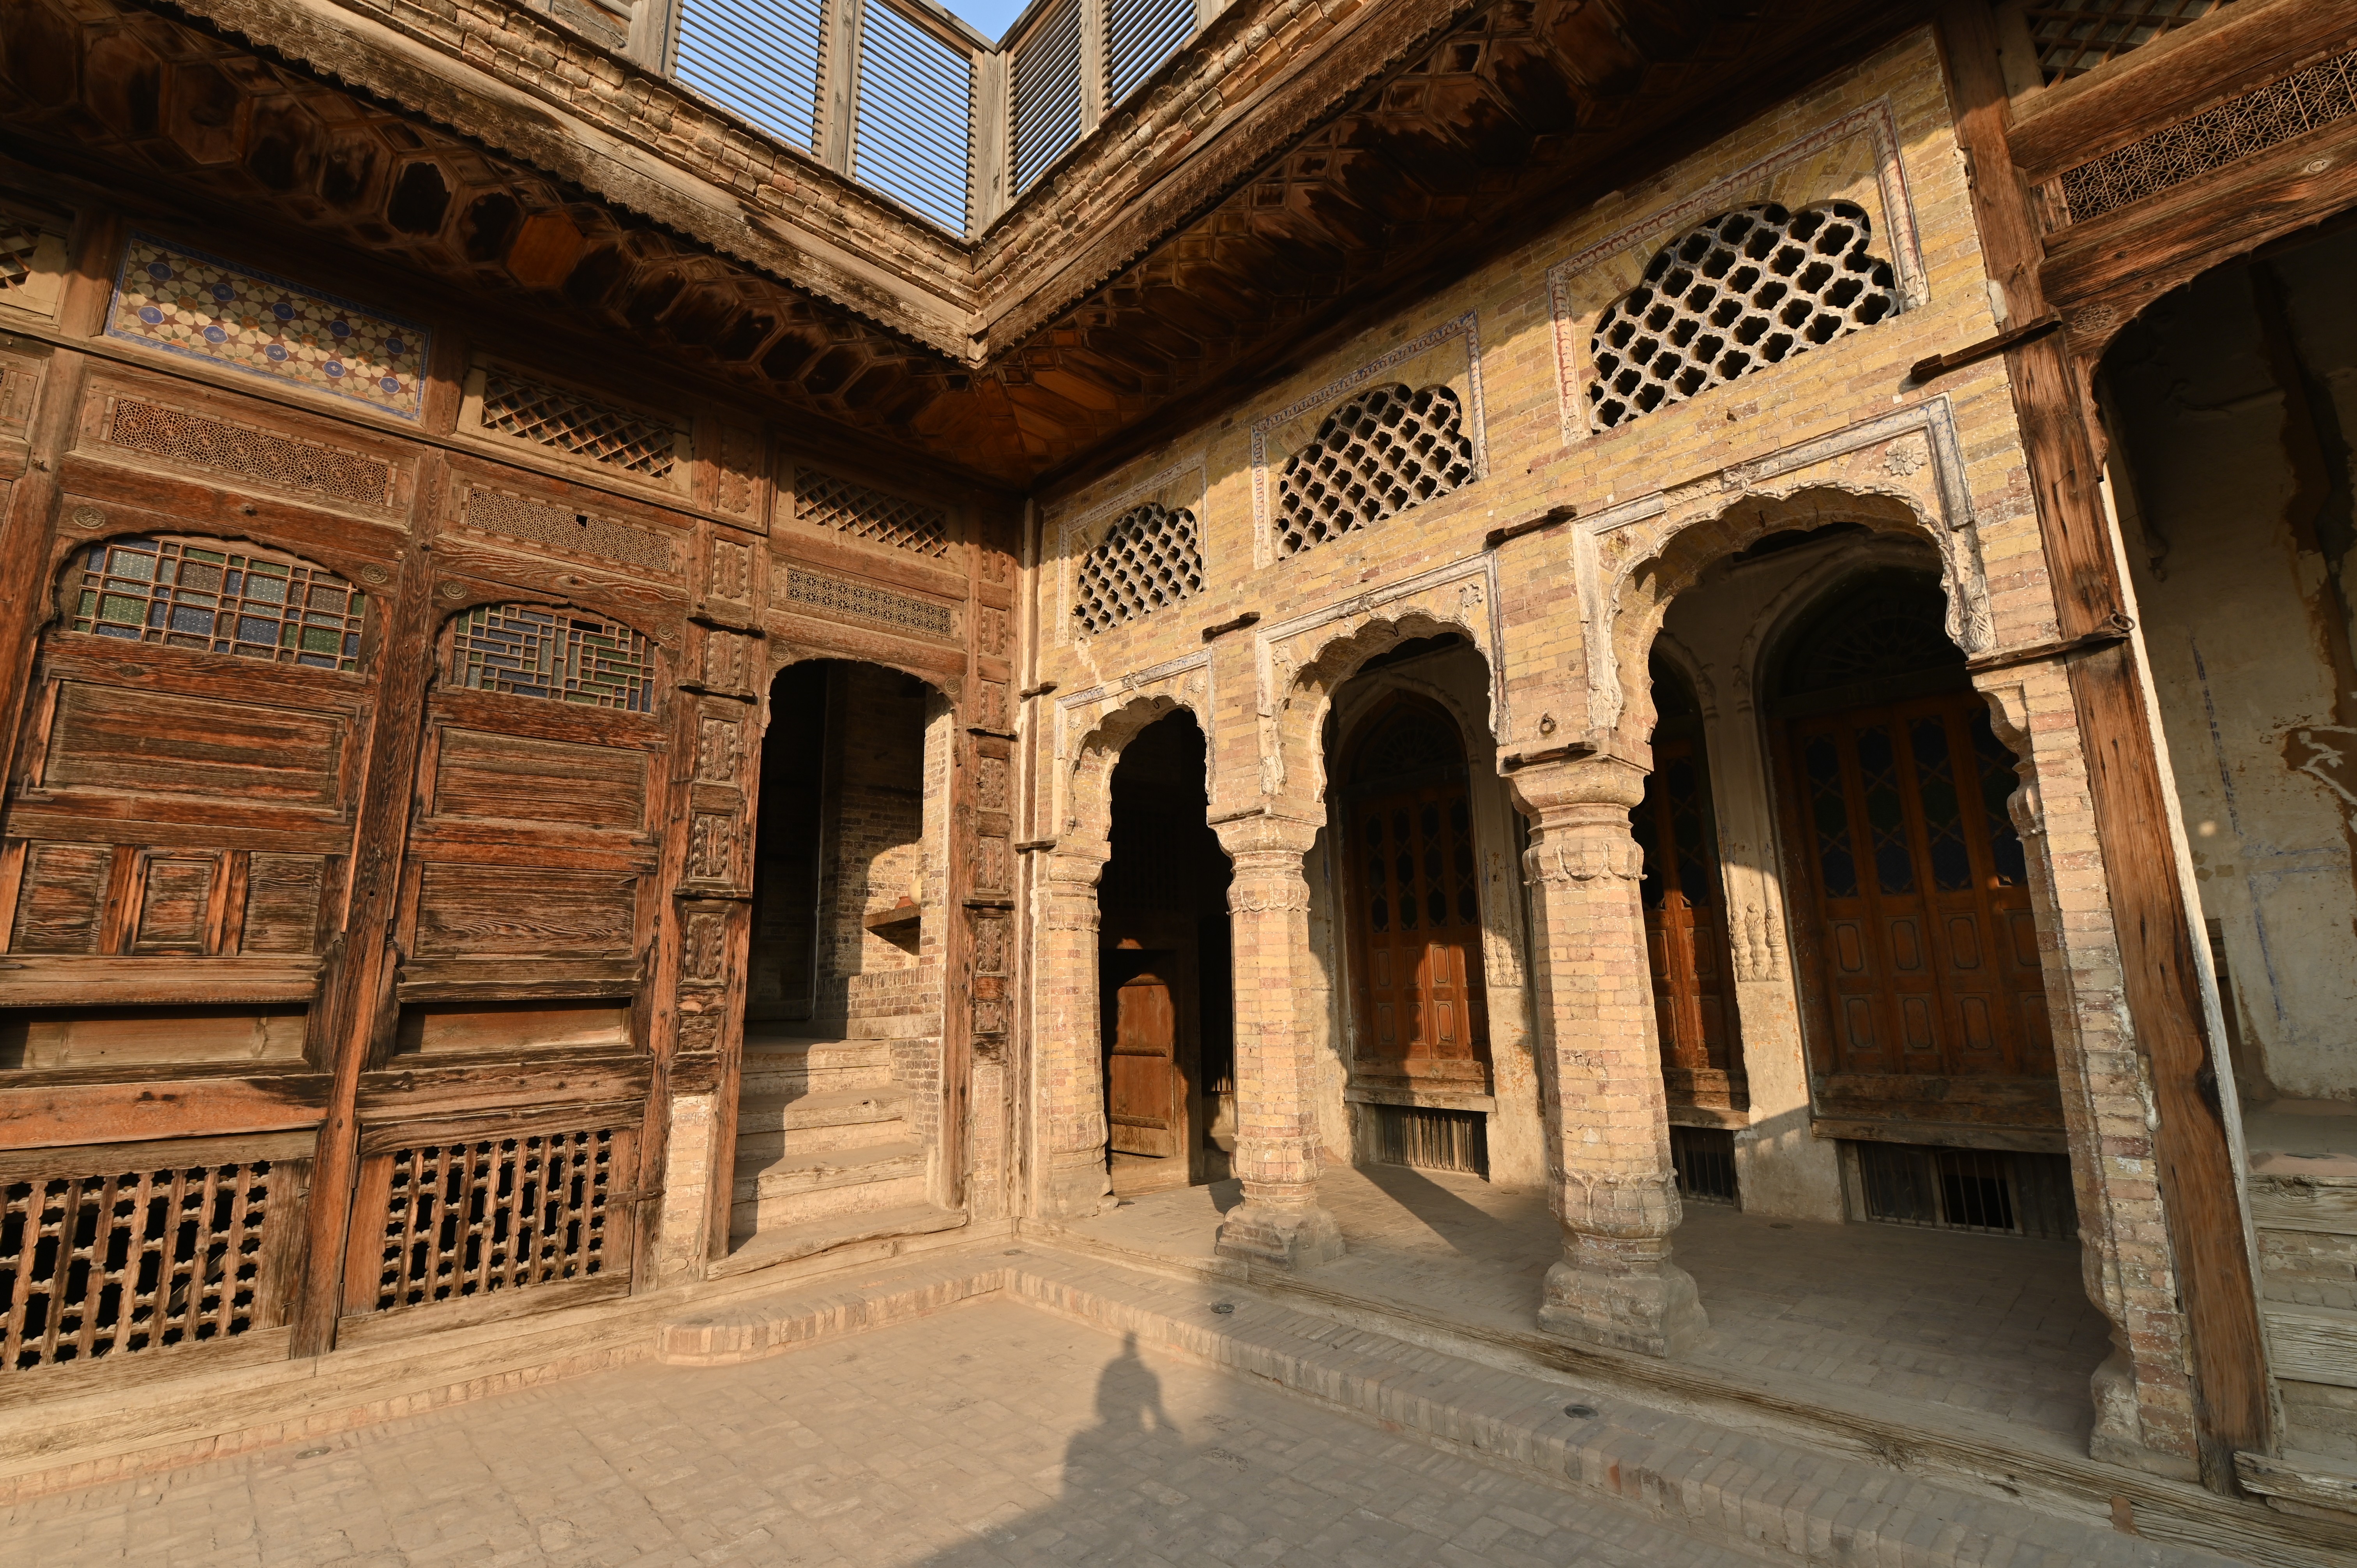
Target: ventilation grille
1151 556
1704 1159
190 440
1386 450
490 1214
1749 289
2252 122
912 132
533 411
532 651
1427 1139
1992 1191
2074 37
824 501
1046 93
562 528
102 1265
760 58
17 243
815 592
214 595
1139 36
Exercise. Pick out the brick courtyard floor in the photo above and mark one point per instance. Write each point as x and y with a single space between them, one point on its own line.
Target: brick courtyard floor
1920 1323
992 1434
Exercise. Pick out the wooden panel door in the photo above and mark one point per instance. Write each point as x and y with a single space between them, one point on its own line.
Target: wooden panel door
1416 921
1923 946
1142 1085
1686 931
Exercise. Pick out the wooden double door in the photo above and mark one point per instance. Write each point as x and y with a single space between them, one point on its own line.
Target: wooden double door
1914 922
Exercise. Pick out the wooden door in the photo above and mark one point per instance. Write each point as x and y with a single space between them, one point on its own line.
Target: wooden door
1919 931
1686 931
1143 1084
1415 900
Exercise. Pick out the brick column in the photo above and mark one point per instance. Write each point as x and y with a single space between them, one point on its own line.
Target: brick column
1608 1132
1067 1052
1276 1130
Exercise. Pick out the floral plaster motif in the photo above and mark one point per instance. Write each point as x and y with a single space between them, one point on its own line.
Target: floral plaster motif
186 302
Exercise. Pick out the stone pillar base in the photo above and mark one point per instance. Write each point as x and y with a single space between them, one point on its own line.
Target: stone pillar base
1286 1236
1629 1296
1077 1190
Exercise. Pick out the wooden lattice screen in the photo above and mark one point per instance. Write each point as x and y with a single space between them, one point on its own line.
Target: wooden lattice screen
111 1251
448 1213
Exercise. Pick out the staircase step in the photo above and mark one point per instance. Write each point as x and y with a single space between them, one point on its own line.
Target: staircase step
790 1069
759 1147
785 1243
796 1170
721 1336
764 1209
823 1108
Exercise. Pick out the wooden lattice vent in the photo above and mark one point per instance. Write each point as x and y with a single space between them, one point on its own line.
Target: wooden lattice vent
104 1257
580 427
1383 451
2247 123
1749 289
856 511
451 1217
216 596
2073 37
543 650
1151 556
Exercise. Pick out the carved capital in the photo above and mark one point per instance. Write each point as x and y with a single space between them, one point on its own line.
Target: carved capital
1619 1205
1266 894
1585 856
1068 912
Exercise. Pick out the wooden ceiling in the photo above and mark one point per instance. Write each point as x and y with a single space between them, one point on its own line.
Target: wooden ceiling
1387 166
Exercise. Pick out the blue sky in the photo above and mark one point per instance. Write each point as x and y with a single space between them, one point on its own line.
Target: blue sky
991 19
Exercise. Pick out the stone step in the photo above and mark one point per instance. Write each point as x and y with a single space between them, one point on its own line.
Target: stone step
761 1210
760 1146
785 1068
785 1243
820 1108
746 1331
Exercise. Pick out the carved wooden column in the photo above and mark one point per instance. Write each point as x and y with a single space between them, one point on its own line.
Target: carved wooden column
1607 1124
1276 1130
1066 1049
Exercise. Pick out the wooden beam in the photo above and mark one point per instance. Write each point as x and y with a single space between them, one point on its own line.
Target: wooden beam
2154 927
64 1115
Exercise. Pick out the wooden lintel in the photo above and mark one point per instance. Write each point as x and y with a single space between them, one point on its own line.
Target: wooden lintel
2061 649
61 1116
705 619
1567 752
698 688
1041 690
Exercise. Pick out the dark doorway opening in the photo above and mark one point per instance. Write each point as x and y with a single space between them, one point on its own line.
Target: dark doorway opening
1165 983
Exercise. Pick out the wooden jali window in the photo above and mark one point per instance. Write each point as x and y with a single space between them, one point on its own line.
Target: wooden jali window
1914 917
1414 891
1685 915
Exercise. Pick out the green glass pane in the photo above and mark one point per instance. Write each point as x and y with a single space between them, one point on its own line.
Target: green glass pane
217 557
261 568
122 607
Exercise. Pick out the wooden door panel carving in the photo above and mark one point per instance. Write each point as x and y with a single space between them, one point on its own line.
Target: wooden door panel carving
1412 880
1915 908
1686 932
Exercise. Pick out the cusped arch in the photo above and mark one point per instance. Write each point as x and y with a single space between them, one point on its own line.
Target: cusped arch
1299 695
1088 779
215 595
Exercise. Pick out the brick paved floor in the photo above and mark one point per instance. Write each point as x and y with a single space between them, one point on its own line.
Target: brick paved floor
992 1434
1876 1315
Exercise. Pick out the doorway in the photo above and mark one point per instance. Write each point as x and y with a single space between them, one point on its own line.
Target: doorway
1164 977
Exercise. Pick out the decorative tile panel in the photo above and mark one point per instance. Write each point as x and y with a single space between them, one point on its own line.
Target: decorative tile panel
816 594
186 302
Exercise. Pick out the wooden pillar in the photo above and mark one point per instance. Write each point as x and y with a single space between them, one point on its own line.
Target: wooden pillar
1276 1154
2188 1149
1607 1122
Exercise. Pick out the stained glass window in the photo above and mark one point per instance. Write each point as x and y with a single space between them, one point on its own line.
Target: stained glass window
534 650
216 596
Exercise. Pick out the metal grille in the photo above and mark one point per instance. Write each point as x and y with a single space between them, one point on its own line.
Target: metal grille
2074 37
1139 36
2251 122
1150 557
532 651
824 501
1994 1191
1704 1159
1428 1139
1386 450
1046 95
533 411
215 596
494 1214
1749 289
112 1264
912 129
760 58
